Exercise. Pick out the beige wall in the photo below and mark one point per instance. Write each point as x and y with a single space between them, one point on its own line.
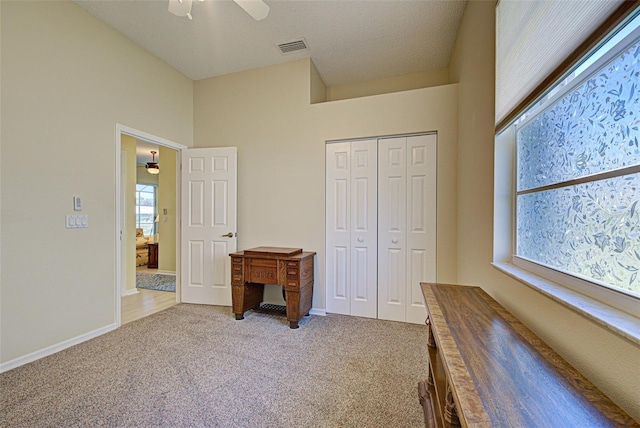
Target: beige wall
167 200
318 88
67 80
407 82
608 360
143 177
281 138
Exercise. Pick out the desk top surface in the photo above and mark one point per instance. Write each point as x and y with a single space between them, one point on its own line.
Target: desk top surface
274 252
502 373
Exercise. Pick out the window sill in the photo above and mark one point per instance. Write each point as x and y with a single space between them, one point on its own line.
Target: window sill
620 322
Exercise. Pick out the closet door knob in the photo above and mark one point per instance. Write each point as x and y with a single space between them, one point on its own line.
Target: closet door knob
360 239
394 241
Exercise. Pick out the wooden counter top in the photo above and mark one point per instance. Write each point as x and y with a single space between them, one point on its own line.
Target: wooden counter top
501 374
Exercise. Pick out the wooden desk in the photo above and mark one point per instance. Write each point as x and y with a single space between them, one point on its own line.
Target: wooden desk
486 369
291 268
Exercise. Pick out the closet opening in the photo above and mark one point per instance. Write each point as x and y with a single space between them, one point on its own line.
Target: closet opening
380 225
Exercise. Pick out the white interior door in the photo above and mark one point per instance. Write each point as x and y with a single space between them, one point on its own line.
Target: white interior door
209 224
381 226
421 222
364 228
351 228
392 220
338 228
406 225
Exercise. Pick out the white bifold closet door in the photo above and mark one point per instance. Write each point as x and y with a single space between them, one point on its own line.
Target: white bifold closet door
406 225
380 226
351 228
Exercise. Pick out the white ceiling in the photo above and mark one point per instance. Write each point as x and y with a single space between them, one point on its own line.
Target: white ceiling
349 40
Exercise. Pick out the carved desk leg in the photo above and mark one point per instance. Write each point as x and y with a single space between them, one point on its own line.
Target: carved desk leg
237 294
431 341
237 286
293 307
450 411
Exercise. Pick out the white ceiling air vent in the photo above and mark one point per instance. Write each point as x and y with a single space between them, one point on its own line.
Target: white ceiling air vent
293 46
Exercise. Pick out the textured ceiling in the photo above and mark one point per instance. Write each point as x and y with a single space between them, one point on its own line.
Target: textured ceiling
349 41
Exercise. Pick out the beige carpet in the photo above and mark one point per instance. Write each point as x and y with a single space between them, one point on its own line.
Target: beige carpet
196 366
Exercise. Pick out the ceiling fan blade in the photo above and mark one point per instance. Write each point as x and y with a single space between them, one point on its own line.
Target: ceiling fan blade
180 7
256 8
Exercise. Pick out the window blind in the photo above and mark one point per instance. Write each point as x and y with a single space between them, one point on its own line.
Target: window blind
533 38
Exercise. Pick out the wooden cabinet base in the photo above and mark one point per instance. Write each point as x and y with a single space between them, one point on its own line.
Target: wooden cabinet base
289 267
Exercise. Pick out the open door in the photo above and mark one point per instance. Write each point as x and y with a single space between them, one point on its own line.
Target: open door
209 224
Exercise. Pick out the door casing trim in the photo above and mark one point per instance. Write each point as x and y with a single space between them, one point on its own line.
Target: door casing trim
140 135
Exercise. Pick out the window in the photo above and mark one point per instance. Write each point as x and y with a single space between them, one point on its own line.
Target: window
578 178
567 187
146 208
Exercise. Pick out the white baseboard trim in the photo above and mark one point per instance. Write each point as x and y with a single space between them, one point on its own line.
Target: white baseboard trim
166 272
17 362
130 292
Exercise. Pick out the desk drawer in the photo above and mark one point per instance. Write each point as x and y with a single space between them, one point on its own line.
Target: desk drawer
262 271
262 262
292 270
236 271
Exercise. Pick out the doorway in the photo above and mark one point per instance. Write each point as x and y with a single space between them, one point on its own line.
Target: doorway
146 215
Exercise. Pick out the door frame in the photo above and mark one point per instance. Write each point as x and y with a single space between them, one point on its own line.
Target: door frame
154 139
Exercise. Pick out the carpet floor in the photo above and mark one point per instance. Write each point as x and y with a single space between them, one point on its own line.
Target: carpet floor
157 281
196 366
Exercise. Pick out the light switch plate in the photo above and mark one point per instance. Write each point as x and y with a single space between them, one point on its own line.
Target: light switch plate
77 221
77 203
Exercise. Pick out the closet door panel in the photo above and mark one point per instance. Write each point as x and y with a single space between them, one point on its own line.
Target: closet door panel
421 220
364 234
338 232
392 220
360 277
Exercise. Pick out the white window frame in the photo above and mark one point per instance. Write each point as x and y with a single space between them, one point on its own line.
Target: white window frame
155 205
612 308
